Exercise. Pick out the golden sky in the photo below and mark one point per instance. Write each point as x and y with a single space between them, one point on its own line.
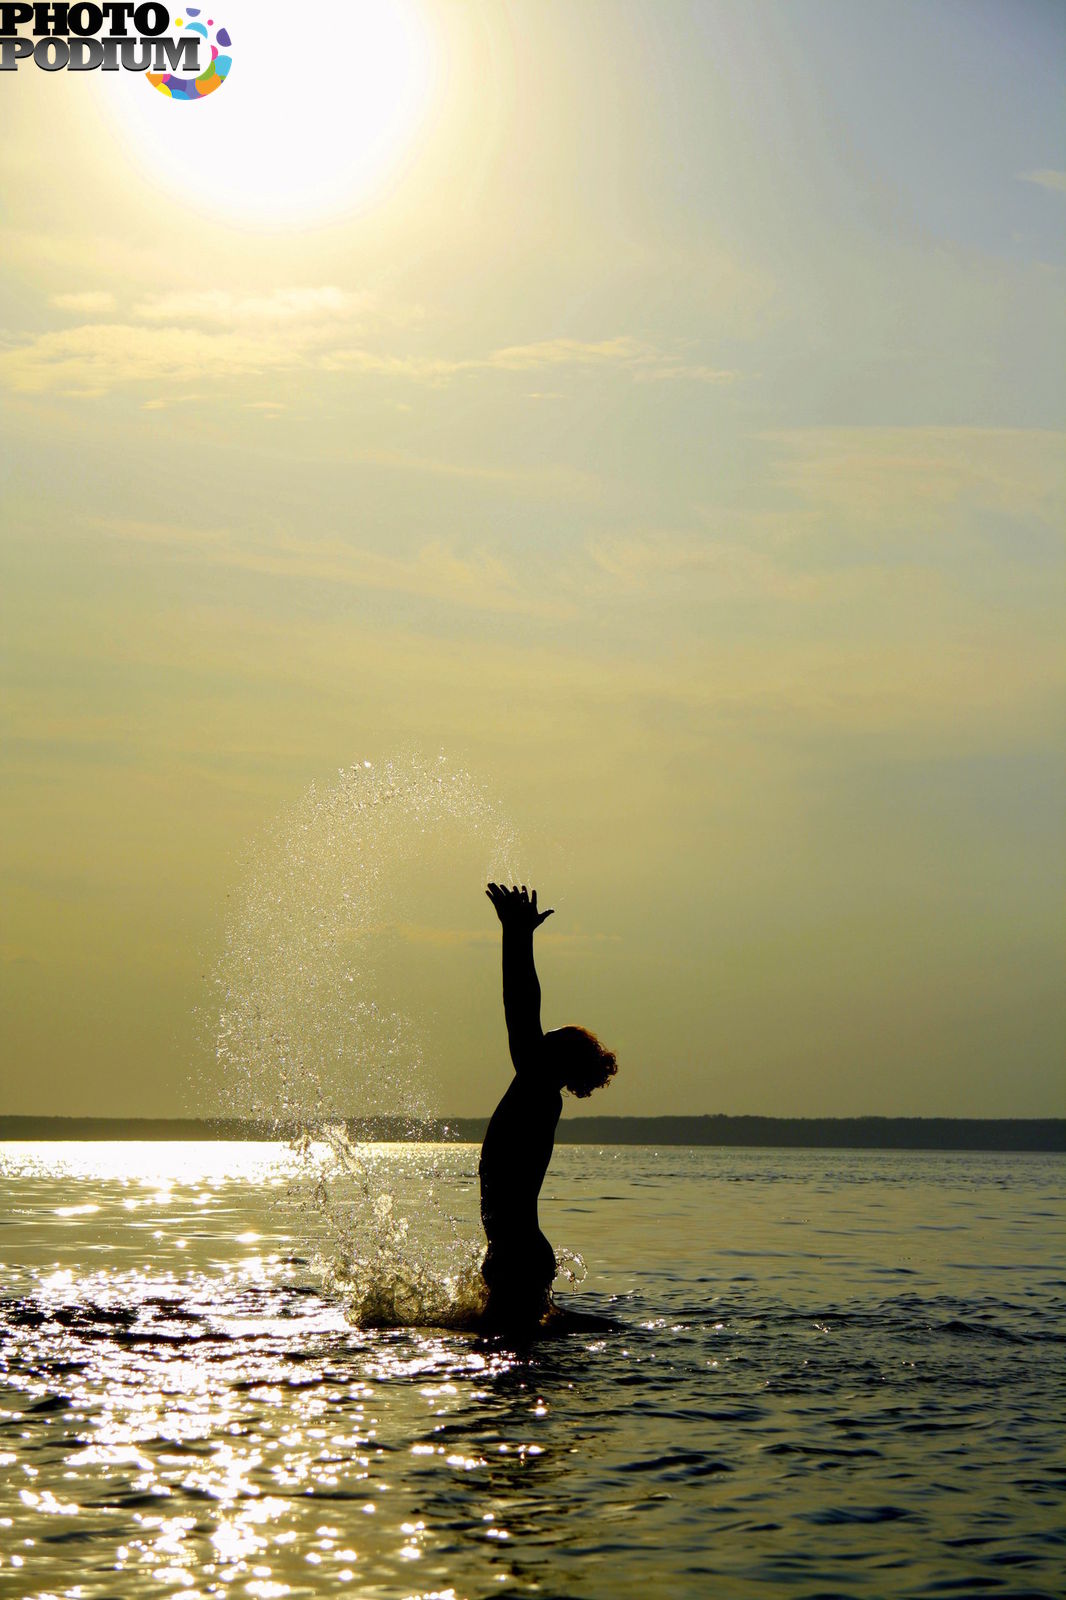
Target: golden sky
658 408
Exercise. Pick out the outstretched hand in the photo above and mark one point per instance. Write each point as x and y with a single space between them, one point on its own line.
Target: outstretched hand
515 907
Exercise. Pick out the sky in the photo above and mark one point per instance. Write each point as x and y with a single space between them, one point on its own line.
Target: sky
658 409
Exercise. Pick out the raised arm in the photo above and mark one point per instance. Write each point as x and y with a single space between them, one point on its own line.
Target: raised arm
521 988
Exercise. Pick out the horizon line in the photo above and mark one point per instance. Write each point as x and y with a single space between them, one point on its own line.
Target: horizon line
752 1129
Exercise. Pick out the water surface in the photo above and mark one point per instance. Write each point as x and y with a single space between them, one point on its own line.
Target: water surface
833 1373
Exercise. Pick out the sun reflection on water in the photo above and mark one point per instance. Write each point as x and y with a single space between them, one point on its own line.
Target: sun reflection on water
192 1413
185 1410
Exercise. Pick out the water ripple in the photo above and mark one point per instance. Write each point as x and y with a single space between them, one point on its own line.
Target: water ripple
207 1420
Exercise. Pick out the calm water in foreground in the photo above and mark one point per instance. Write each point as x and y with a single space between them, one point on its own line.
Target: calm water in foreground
833 1373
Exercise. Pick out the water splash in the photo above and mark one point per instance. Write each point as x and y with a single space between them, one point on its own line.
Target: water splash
390 1273
571 1266
314 1025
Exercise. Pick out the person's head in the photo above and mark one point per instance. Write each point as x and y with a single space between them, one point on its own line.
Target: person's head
579 1061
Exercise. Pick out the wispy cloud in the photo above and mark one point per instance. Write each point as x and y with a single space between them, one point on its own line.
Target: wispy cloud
620 354
921 477
178 336
644 360
1046 178
94 358
478 579
157 403
715 566
547 481
222 308
85 302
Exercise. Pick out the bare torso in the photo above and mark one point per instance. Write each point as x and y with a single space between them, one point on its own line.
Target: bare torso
514 1158
519 1264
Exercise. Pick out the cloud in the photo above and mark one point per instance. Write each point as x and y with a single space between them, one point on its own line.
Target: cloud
645 360
854 513
714 566
549 481
97 357
382 364
621 354
885 656
220 307
923 477
180 338
157 403
85 301
478 579
1045 178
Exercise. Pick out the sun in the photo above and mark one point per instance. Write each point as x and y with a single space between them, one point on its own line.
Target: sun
320 105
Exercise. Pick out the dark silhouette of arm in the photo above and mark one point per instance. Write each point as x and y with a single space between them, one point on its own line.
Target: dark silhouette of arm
521 987
521 996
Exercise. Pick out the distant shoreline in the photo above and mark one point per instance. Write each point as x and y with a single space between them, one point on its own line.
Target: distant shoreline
833 1133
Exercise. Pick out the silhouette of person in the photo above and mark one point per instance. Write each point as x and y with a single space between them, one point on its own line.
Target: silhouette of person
519 1265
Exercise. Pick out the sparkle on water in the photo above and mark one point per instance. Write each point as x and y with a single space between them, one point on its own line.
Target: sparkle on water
254 1369
831 1372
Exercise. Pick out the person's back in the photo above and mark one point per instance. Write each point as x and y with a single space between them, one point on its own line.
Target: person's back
519 1264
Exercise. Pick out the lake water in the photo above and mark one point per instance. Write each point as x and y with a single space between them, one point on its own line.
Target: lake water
832 1374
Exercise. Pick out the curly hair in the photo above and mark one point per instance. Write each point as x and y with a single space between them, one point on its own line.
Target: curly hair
583 1063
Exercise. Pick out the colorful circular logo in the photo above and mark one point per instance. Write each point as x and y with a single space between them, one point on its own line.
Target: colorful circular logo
214 74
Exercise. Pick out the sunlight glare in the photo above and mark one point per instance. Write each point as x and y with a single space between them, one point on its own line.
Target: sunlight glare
319 108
